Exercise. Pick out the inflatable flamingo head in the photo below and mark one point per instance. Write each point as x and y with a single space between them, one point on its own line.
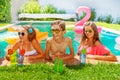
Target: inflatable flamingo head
79 25
86 18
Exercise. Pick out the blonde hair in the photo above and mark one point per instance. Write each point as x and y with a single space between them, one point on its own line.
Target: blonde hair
60 23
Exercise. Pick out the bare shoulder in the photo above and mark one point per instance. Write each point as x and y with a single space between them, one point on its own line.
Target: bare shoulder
49 40
68 39
35 41
18 42
16 45
97 43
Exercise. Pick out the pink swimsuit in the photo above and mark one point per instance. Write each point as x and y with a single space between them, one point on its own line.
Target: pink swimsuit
97 50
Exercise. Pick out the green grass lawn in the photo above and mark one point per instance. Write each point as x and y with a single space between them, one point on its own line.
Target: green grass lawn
110 26
46 72
70 25
79 72
3 24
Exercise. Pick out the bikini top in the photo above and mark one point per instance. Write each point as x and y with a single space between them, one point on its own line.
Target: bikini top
26 53
96 50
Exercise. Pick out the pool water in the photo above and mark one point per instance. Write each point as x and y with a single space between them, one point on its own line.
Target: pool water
107 38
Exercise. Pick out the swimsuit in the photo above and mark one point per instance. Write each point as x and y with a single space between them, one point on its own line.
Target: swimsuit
96 50
28 53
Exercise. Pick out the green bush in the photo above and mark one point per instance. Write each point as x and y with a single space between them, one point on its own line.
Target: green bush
31 7
101 18
51 10
38 19
48 9
34 7
93 15
5 11
108 19
83 15
61 11
118 21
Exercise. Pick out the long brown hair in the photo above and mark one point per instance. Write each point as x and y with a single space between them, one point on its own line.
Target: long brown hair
31 32
96 34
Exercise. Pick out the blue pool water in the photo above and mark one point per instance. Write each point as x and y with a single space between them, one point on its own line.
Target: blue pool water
107 38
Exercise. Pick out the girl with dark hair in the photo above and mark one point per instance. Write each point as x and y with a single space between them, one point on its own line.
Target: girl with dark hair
95 49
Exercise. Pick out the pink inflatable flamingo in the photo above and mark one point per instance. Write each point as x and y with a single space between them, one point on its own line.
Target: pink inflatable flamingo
79 25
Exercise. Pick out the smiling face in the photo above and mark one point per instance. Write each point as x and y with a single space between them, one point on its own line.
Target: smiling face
23 34
57 32
89 32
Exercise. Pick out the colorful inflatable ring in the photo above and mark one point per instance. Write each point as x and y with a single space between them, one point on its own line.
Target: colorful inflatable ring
79 25
13 28
118 40
40 36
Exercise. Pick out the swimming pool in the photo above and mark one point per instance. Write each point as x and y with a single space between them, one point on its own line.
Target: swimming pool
107 38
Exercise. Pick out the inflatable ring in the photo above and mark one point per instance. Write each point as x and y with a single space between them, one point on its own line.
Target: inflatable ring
39 35
79 25
118 40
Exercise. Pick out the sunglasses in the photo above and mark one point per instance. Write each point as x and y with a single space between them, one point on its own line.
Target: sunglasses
90 31
56 30
21 33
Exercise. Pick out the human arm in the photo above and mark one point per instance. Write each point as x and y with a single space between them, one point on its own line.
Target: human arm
12 49
47 57
107 56
71 55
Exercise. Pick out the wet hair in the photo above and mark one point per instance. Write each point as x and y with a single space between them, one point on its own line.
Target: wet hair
31 32
94 27
60 23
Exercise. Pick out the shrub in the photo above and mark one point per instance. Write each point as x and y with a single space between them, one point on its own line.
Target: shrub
5 11
101 19
31 7
83 15
49 9
93 14
61 11
118 21
108 19
92 17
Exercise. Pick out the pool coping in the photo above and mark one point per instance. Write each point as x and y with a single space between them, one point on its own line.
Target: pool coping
5 27
111 30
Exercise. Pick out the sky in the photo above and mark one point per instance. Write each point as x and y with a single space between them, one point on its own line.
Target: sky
102 7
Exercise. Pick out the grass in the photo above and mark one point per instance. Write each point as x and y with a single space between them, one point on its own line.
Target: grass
70 25
3 24
46 72
110 26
